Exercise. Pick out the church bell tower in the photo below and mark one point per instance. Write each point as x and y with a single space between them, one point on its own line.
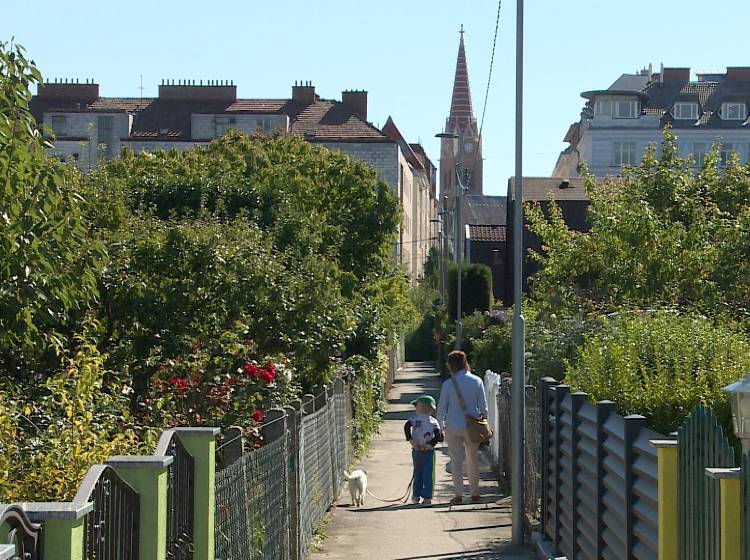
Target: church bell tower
461 120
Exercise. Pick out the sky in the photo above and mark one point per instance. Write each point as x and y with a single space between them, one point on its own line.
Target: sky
402 53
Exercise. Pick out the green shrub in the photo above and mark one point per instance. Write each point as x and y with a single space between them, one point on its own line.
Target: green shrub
492 351
476 289
662 365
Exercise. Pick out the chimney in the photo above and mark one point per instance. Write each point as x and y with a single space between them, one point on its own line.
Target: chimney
738 73
73 91
304 92
187 90
676 75
357 102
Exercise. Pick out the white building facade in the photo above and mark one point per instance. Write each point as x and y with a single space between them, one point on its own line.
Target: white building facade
618 124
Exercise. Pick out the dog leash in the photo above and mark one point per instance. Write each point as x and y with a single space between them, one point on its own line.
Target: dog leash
403 498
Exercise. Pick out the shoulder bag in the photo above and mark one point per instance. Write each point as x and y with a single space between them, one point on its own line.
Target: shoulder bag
478 428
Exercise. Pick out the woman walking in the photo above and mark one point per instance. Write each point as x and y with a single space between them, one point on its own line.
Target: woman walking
451 414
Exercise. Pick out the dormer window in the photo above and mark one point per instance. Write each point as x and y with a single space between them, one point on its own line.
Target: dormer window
617 109
627 109
685 111
733 111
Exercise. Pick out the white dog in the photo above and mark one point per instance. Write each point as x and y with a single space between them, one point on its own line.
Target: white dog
357 486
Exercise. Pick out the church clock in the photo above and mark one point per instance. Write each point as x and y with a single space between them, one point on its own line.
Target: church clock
469 147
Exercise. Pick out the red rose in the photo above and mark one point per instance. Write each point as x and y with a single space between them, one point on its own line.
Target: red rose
180 386
252 370
269 373
257 416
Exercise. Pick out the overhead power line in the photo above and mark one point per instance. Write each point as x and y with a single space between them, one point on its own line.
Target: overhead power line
492 64
489 83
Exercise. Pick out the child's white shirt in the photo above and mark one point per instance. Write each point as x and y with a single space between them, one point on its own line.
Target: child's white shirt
423 429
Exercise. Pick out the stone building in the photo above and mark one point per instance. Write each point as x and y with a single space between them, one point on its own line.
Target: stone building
88 128
417 234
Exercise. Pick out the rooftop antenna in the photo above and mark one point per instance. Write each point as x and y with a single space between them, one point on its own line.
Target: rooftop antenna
141 88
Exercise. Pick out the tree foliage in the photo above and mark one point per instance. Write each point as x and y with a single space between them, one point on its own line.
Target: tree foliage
663 234
48 264
173 287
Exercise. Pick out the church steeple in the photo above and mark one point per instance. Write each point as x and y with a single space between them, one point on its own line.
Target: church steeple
461 121
461 113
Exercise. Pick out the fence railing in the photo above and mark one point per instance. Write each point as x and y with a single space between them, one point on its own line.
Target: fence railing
21 536
599 476
499 400
131 507
180 496
111 529
270 500
264 503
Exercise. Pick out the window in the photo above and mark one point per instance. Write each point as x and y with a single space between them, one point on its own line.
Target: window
699 153
733 111
688 111
727 148
263 125
617 109
603 108
59 125
626 109
222 124
623 153
105 134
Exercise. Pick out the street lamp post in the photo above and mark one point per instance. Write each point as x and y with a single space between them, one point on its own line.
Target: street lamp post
518 336
458 230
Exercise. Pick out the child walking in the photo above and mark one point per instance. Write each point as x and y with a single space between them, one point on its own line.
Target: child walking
423 431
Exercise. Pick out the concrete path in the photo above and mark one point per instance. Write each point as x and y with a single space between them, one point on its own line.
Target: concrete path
408 532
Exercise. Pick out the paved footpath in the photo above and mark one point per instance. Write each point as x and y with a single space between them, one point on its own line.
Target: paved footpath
409 532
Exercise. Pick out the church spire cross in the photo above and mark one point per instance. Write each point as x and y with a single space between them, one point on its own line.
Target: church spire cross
461 110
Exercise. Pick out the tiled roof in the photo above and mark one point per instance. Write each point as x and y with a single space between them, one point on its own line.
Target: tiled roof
321 121
487 233
480 209
391 131
461 110
708 94
549 188
330 121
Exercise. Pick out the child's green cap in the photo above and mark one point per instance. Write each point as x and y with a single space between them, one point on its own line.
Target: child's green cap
425 399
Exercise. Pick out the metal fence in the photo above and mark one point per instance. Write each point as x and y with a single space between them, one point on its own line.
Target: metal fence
252 504
180 496
111 530
22 533
271 500
599 471
499 398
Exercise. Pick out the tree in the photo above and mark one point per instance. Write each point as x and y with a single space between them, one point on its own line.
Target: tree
663 234
48 266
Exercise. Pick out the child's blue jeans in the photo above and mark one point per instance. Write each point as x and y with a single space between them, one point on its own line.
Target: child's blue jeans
424 473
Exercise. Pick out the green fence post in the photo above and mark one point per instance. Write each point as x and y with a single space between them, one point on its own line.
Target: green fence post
148 476
668 497
62 534
731 511
201 444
